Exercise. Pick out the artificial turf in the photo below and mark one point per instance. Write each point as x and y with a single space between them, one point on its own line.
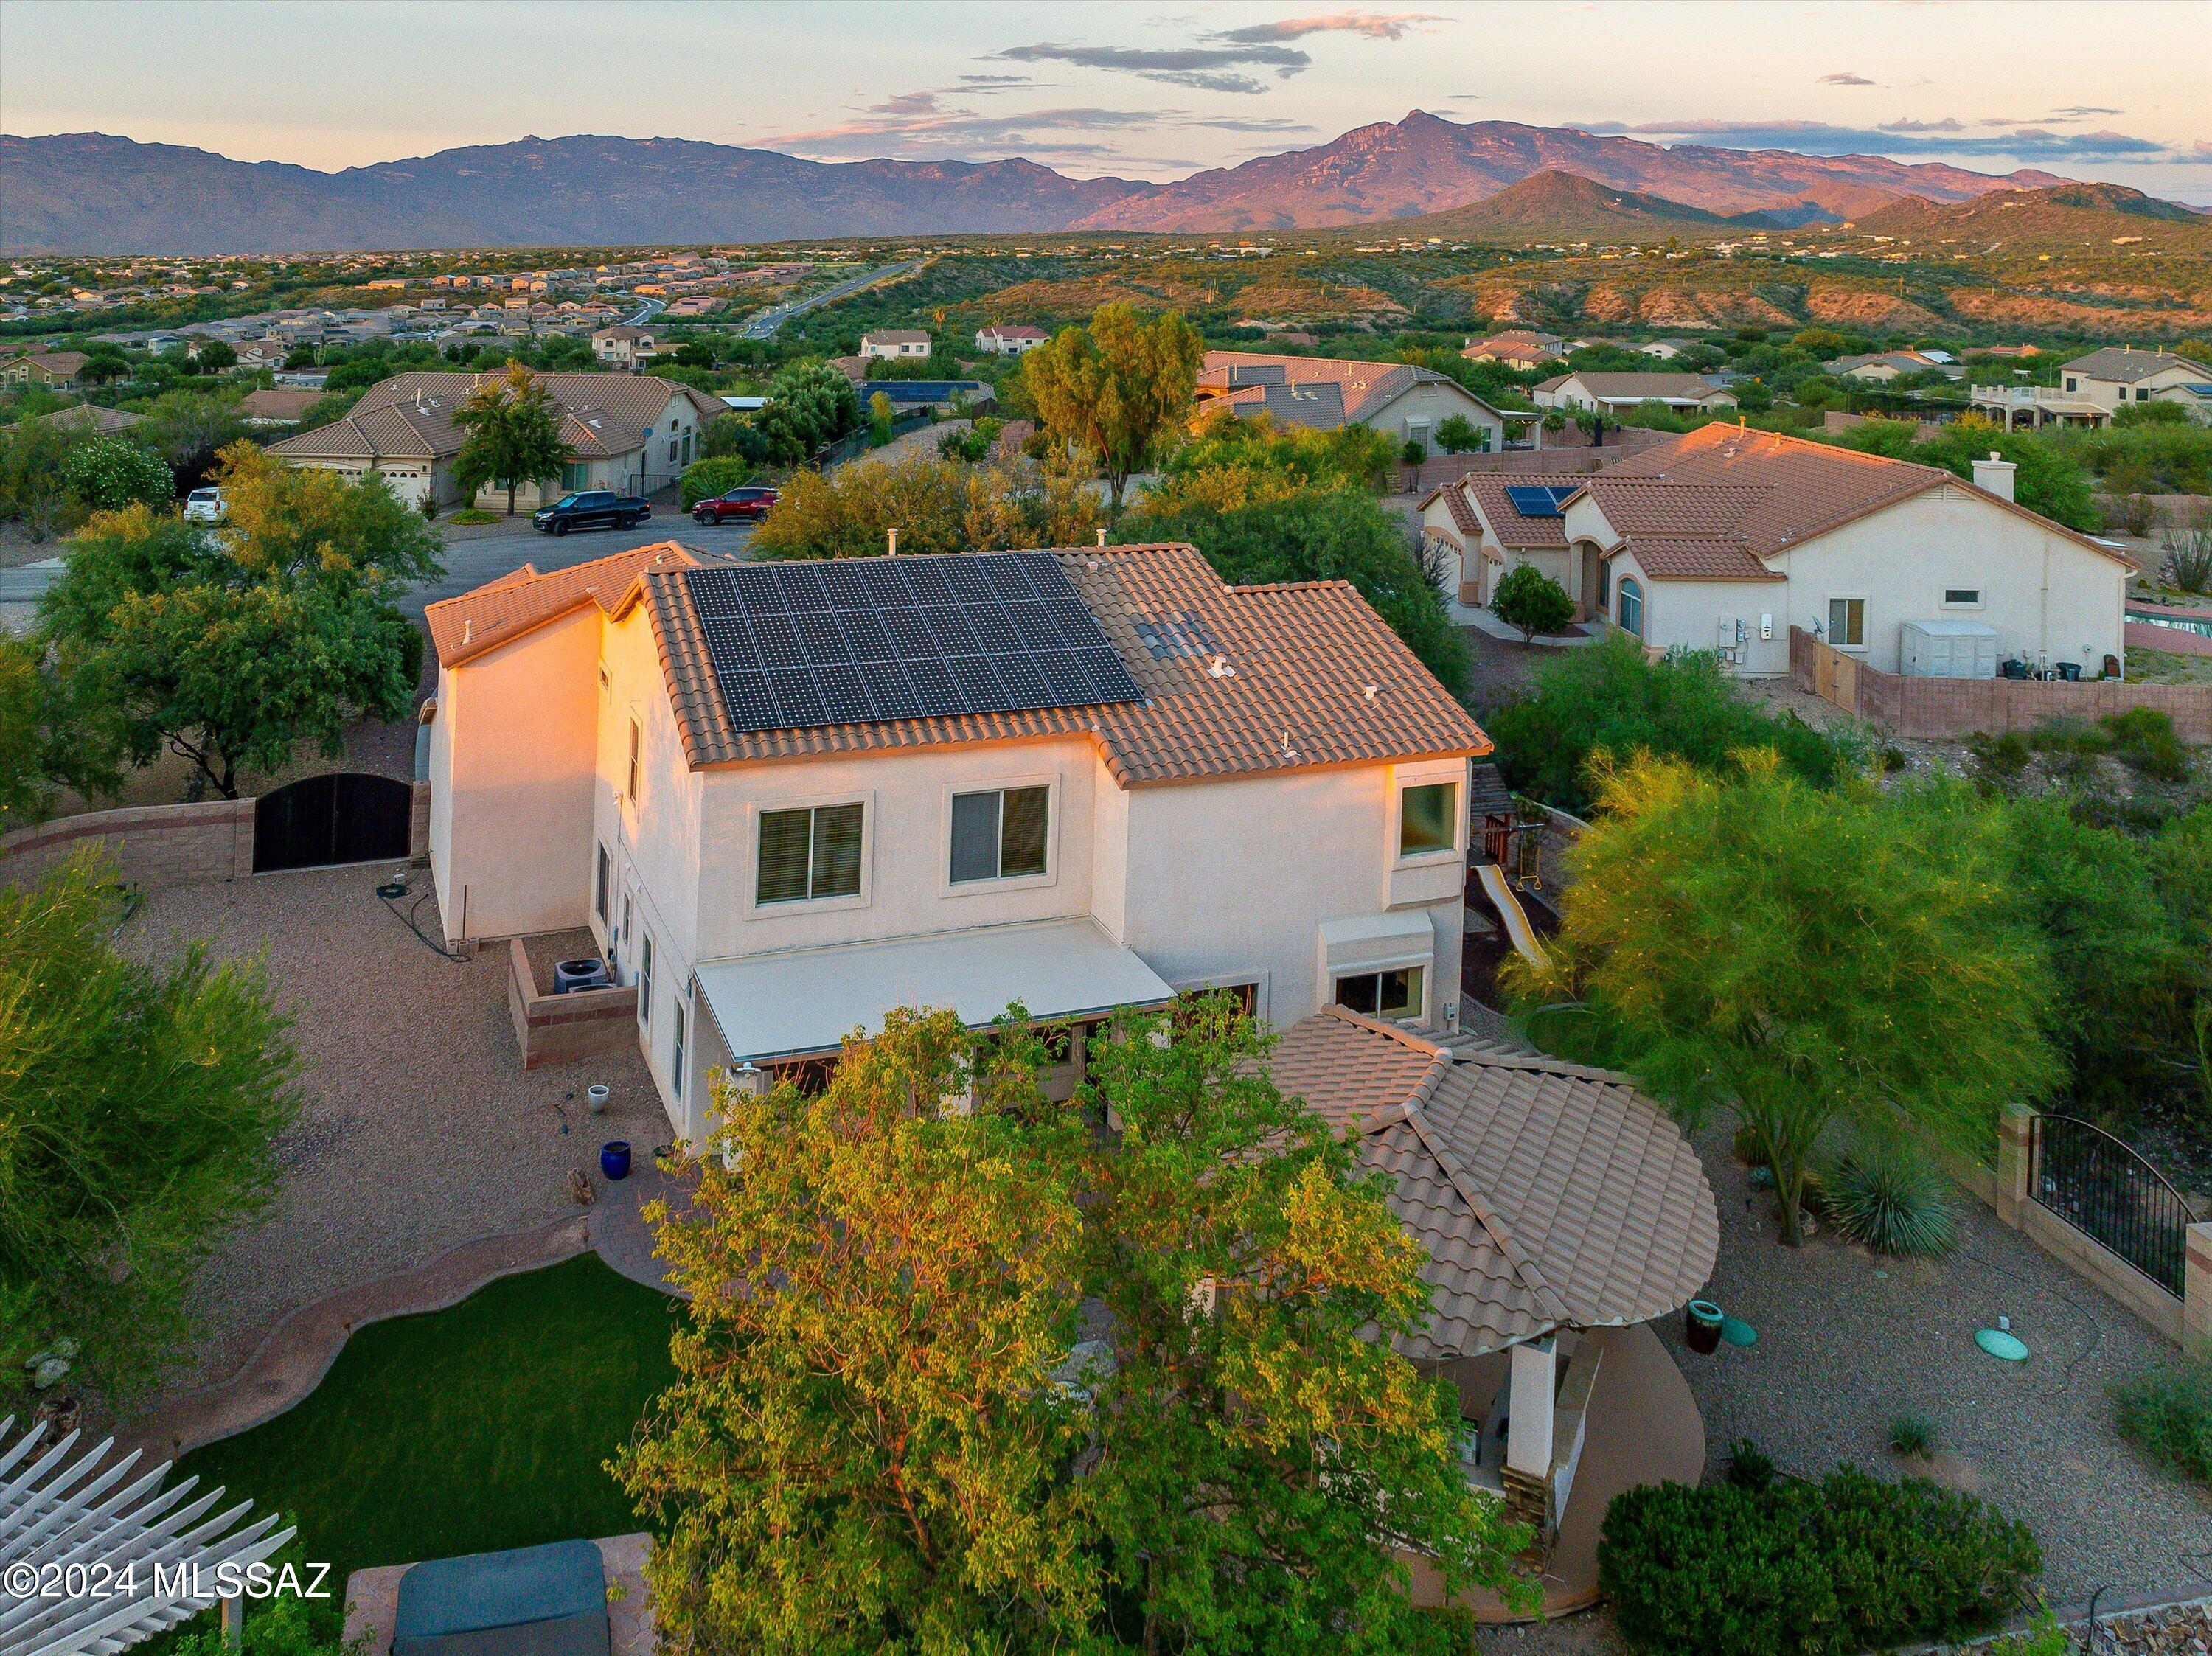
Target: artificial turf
485 1426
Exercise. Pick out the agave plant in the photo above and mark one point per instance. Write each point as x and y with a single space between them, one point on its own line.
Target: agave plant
1889 1198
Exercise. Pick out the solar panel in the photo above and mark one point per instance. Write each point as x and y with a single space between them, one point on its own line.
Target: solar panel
1537 500
796 646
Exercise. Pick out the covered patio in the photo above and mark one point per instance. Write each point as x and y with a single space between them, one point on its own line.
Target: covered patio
1561 1211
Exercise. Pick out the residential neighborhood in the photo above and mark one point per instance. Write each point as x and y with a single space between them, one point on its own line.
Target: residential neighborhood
1190 838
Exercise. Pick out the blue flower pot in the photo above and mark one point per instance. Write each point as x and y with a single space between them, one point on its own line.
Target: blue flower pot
614 1159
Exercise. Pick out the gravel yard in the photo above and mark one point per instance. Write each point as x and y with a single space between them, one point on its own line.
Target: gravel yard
421 1131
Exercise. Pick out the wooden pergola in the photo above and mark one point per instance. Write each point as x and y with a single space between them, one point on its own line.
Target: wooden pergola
94 1559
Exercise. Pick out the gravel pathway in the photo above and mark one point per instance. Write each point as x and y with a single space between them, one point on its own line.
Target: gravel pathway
421 1131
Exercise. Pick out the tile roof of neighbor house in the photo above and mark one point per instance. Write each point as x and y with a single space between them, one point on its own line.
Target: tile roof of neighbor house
1016 330
2126 366
411 416
1243 380
91 417
1301 674
895 336
1546 1195
276 405
1657 385
502 611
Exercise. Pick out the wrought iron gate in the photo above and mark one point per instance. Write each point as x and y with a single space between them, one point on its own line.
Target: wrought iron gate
2103 1189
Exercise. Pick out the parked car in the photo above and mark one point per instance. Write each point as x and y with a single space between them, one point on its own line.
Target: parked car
751 502
592 508
205 505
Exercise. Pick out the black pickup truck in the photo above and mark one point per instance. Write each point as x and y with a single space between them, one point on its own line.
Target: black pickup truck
590 508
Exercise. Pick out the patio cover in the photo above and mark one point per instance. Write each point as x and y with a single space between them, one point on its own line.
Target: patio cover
804 1001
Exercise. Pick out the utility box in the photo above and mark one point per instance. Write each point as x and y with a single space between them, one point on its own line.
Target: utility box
1946 649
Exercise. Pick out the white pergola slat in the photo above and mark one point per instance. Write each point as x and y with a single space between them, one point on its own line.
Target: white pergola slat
92 1560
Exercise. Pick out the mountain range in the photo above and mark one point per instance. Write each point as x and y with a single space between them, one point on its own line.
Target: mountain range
93 192
1553 206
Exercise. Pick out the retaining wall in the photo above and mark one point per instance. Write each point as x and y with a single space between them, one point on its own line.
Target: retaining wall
150 846
562 1028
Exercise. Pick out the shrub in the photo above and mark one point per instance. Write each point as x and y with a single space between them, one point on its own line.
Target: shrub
1886 1197
110 473
1808 1569
2044 1637
1911 1433
715 474
1750 1467
2001 757
2069 736
2143 737
1531 600
2167 1414
2189 558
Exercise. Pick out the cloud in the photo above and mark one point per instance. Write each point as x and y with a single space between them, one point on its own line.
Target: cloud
1846 80
918 126
993 83
1946 125
2078 110
1375 26
1207 68
1915 139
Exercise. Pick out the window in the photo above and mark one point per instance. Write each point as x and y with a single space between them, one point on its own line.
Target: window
574 474
1968 598
1245 995
636 752
1847 624
1426 817
601 872
1604 581
1632 606
808 854
1393 994
676 1049
2069 383
645 979
999 835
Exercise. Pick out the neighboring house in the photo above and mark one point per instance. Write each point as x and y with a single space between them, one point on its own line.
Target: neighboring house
631 433
89 416
1666 350
263 354
2117 376
1727 537
855 368
56 370
1516 348
625 347
1882 366
276 408
1618 393
1015 341
1406 403
911 344
1163 783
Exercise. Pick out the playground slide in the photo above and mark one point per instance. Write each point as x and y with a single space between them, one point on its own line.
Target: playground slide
1523 935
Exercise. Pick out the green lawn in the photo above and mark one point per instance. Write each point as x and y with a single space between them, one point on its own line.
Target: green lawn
478 1427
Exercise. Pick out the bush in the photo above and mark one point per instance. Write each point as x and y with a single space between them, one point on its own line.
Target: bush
2001 757
2167 1414
110 473
1911 1433
2189 558
716 475
1612 698
1531 600
1808 1569
2143 737
1750 1467
1890 1199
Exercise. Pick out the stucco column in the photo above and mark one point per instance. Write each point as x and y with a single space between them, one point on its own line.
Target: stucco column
2015 1161
1528 1423
2196 1291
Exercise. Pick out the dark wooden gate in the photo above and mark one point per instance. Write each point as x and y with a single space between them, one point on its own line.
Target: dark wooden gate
345 818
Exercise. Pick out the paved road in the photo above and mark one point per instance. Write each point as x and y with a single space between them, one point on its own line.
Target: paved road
763 326
646 312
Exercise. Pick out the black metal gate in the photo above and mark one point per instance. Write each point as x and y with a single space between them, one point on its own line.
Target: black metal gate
2103 1189
345 818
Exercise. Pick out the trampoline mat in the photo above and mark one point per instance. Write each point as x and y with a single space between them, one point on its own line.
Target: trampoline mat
532 1601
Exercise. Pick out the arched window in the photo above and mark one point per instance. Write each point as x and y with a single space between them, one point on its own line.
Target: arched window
1632 606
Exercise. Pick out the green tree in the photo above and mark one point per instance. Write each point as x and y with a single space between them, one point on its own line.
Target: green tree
32 489
864 1451
45 741
138 1104
231 649
717 474
880 416
1531 600
103 364
936 505
808 406
214 356
1804 957
1116 389
1230 463
1457 434
1320 535
109 473
189 429
513 430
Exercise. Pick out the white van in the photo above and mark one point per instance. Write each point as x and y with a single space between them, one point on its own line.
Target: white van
204 506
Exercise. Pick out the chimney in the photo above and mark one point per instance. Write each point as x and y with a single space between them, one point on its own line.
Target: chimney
1995 474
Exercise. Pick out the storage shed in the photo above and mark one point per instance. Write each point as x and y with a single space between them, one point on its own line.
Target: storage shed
1947 649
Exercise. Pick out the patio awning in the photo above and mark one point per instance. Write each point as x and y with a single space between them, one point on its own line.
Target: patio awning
804 1001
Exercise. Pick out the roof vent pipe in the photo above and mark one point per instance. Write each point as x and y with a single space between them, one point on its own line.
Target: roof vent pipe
891 548
1102 534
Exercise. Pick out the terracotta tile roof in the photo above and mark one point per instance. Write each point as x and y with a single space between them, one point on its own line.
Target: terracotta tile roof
1314 677
1486 490
411 416
278 404
1665 559
1547 1195
502 611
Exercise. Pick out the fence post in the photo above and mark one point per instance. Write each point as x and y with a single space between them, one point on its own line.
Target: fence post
2015 1162
2197 1290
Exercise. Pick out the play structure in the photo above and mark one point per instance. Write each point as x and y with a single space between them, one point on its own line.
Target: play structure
1506 911
1519 931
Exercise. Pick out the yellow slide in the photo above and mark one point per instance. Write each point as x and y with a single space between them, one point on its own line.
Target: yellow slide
1500 892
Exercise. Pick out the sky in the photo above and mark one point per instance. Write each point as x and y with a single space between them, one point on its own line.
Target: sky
2110 89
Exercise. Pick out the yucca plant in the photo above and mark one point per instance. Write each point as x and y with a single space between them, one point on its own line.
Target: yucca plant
1889 1197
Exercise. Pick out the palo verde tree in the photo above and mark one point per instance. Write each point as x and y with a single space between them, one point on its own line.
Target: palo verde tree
1116 389
513 430
1805 956
232 646
138 1104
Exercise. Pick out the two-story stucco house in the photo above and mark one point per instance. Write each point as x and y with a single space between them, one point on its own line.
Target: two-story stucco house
631 433
786 797
1725 538
2119 375
897 344
1404 403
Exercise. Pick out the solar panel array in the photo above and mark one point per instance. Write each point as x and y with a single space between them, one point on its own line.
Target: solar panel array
799 645
1539 500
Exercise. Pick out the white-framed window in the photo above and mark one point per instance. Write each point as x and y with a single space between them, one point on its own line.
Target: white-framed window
1962 598
1630 605
645 979
676 1048
811 852
1428 818
636 760
1000 834
1393 992
1847 624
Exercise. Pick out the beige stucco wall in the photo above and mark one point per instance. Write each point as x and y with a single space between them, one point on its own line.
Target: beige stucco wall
1434 403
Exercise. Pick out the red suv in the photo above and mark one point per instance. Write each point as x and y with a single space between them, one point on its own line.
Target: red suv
737 503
